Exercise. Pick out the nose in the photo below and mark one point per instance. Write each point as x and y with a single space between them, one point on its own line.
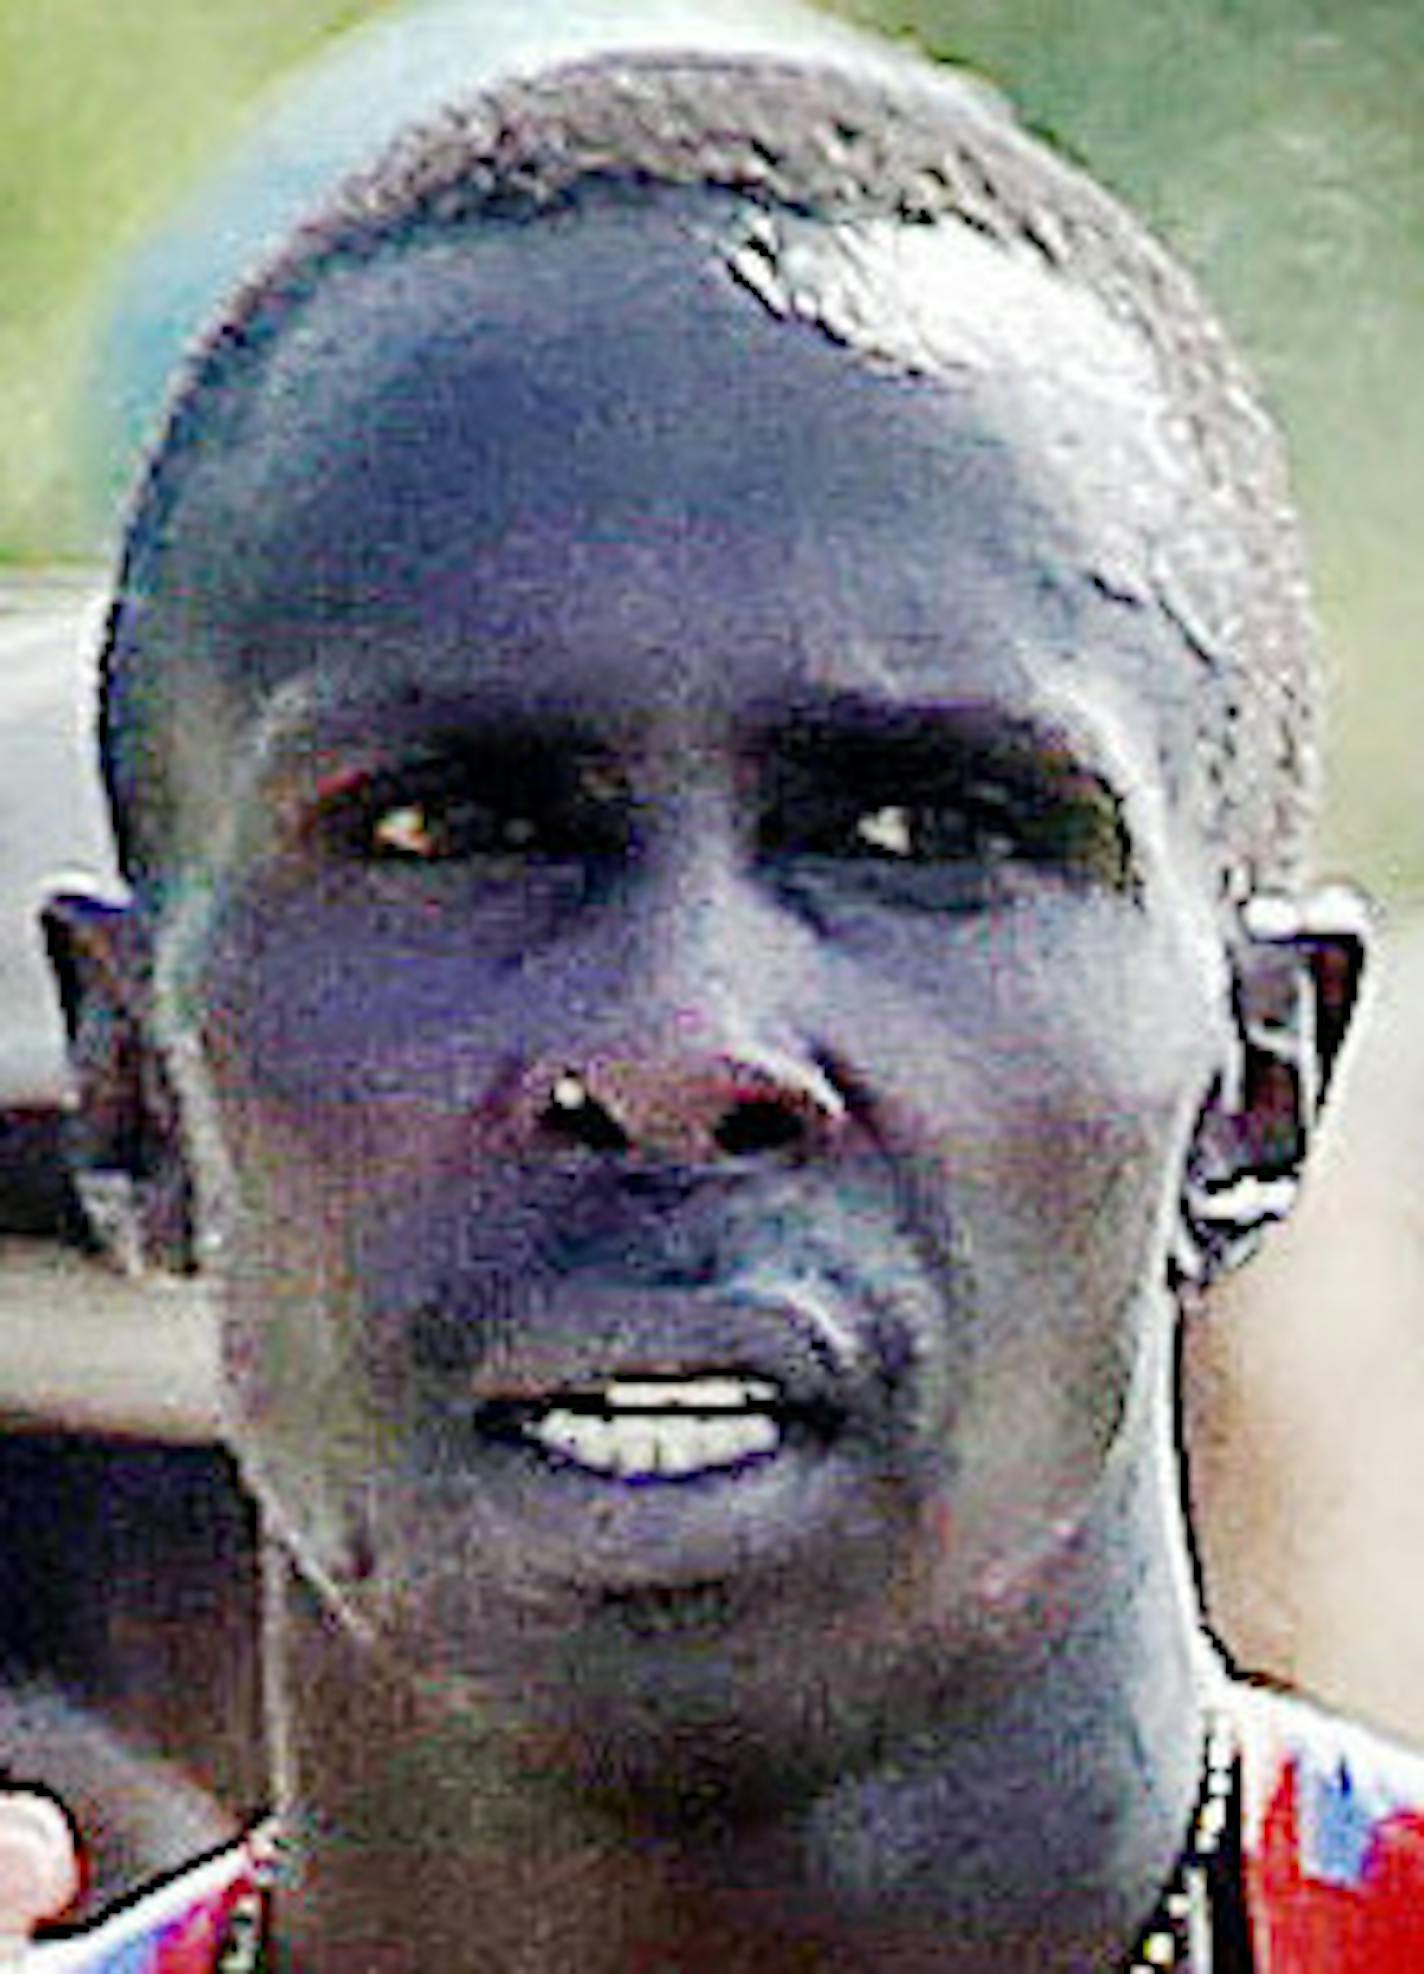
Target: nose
693 1052
689 1106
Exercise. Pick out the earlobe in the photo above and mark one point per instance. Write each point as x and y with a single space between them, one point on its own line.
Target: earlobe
122 1136
1297 973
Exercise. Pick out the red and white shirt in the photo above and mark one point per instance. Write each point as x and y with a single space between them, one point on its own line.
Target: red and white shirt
1332 1838
207 1920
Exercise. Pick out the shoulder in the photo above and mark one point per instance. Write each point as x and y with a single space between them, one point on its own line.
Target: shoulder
138 1817
1280 1732
205 1918
1332 1838
169 1881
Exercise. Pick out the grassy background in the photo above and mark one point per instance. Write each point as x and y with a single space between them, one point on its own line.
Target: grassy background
109 108
1277 143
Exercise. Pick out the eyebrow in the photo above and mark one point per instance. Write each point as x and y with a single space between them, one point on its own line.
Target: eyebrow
977 735
368 735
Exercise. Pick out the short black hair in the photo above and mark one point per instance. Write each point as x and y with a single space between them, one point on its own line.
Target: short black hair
788 139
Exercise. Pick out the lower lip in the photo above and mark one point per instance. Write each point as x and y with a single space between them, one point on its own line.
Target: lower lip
569 1522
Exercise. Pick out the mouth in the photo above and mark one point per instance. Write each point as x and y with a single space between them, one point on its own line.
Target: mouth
614 1436
660 1429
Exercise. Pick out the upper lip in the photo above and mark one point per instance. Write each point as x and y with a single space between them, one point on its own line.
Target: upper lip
560 1289
585 1335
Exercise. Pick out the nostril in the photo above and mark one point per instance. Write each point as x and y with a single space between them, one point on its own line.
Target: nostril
759 1126
577 1116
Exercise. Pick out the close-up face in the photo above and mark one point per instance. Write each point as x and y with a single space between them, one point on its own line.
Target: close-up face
702 964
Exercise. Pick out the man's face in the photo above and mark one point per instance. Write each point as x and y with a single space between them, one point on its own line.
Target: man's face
704 970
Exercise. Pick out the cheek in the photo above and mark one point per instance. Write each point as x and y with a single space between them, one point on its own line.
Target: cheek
340 1046
1047 1054
1042 1100
296 1399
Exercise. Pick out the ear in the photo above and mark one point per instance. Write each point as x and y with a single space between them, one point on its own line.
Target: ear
122 1139
1298 964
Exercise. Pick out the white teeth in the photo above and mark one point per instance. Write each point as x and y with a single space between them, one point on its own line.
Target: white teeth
664 1427
639 1448
723 1393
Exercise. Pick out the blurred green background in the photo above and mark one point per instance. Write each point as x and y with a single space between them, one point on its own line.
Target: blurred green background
1279 144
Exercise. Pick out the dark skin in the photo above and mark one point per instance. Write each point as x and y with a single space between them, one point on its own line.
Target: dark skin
697 873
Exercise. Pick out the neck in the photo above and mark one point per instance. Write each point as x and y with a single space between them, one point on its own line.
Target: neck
1033 1831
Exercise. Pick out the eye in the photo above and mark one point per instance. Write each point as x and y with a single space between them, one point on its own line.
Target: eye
909 828
889 829
438 830
405 831
962 824
969 824
498 810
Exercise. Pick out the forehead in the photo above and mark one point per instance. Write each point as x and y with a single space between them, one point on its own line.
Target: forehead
635 455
